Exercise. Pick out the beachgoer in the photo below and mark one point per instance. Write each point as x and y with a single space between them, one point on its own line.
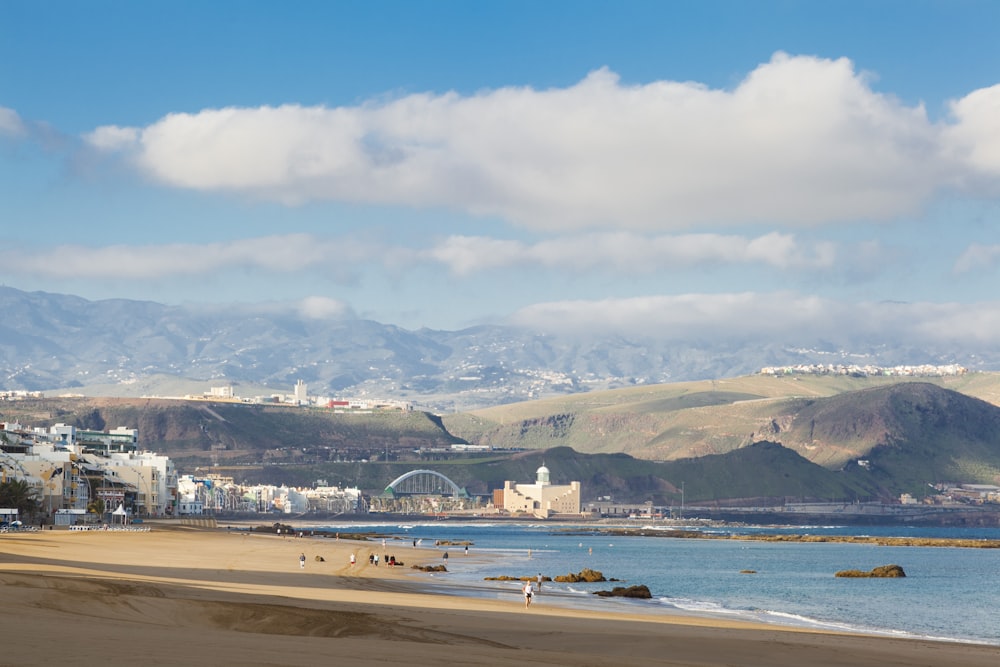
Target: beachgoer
445 556
539 582
376 560
302 561
528 592
466 549
352 560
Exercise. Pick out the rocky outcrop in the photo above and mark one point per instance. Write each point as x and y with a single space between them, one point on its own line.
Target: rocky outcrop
640 592
586 575
429 568
882 572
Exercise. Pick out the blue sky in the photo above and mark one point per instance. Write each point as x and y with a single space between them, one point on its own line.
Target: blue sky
682 168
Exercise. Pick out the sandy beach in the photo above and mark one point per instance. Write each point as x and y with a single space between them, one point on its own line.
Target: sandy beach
178 594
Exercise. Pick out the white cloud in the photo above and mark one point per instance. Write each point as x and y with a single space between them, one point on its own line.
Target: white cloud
11 124
279 254
773 317
620 253
322 308
112 138
628 253
977 256
974 138
800 141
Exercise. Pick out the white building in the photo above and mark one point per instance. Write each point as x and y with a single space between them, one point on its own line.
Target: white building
301 396
153 477
542 499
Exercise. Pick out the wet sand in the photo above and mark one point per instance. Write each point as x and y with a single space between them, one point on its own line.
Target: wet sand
180 595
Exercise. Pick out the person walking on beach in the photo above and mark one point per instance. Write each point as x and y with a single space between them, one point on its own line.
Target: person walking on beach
352 560
302 562
539 582
528 592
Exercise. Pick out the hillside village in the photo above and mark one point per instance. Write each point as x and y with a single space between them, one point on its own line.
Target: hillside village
867 370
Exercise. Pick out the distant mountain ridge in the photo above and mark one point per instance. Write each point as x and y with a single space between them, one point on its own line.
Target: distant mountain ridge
130 348
908 433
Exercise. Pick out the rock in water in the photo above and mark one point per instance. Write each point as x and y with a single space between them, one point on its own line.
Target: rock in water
641 592
881 572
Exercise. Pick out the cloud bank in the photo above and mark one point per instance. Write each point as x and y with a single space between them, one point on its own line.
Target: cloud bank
621 254
800 141
772 317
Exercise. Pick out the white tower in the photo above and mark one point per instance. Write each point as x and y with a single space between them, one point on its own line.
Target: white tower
542 476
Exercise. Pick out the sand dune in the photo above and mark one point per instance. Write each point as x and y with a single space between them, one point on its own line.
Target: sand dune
176 596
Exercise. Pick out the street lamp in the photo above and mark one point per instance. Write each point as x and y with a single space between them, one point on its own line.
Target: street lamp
81 471
148 496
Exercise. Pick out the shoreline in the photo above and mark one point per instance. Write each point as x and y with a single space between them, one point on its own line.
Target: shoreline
243 597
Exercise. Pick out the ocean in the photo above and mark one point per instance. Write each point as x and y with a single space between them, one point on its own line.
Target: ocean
948 593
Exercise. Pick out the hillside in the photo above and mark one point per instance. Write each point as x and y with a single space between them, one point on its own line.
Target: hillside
913 432
196 433
762 473
641 442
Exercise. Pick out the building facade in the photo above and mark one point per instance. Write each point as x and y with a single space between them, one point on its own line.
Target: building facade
541 499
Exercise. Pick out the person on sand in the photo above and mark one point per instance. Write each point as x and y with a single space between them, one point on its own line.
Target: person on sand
302 562
539 580
352 560
528 592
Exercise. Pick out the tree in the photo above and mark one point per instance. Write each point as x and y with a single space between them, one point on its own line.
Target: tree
96 506
18 494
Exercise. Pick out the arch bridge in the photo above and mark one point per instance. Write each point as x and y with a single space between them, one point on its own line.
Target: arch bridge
424 483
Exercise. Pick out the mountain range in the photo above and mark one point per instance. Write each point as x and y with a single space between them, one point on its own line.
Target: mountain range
118 347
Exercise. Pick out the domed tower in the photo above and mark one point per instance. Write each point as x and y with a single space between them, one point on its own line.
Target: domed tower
542 475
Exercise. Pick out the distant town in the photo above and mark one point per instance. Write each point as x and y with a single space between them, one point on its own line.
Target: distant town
226 394
857 370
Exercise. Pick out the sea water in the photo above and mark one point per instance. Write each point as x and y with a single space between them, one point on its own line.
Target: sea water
949 592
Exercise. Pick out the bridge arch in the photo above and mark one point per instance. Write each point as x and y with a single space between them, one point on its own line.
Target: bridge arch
424 482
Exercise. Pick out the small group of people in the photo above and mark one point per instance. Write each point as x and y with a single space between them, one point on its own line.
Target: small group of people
390 561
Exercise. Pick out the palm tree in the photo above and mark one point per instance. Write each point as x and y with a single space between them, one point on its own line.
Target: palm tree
18 494
96 506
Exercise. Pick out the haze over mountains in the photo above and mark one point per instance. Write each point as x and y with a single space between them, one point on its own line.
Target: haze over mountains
130 348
